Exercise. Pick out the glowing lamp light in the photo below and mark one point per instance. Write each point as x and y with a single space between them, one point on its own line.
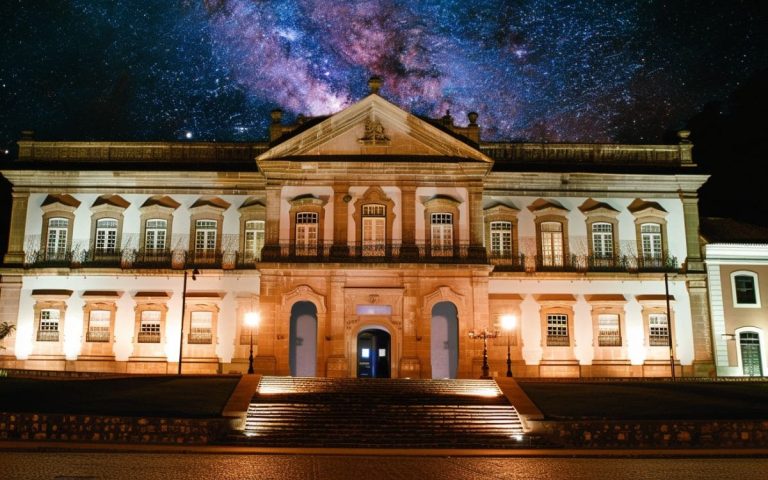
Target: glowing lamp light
508 322
252 319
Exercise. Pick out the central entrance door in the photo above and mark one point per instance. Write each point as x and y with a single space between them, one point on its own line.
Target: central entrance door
373 353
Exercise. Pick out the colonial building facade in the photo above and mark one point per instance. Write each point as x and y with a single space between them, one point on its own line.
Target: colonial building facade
370 243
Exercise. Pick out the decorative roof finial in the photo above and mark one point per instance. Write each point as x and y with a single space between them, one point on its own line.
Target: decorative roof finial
374 84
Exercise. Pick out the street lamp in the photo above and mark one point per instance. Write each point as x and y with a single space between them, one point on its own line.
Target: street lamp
508 324
484 335
195 272
252 320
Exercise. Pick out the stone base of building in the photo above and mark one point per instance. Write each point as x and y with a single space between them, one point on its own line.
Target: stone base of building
263 365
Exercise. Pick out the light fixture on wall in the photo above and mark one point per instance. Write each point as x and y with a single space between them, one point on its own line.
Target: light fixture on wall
195 273
729 336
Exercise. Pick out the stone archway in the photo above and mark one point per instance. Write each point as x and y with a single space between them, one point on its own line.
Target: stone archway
444 340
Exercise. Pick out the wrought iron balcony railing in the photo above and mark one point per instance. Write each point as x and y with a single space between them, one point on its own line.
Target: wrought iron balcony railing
148 337
507 262
97 336
200 338
101 258
47 335
658 340
43 258
558 341
152 258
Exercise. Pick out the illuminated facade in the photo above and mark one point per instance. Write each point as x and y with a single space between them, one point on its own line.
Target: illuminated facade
371 243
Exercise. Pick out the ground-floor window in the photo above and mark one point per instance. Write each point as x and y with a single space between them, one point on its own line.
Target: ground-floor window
557 330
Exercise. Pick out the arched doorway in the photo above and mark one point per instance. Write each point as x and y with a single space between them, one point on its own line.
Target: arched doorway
374 353
445 340
751 358
302 349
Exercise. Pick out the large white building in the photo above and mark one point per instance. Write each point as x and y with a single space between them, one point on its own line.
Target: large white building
371 243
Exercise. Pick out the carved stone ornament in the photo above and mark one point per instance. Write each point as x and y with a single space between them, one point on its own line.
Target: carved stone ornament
374 134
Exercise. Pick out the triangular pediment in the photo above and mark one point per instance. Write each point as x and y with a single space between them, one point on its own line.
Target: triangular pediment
374 126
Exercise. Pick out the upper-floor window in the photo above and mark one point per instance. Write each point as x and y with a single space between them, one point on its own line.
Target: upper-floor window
306 233
442 233
98 326
745 289
658 330
205 237
254 239
650 236
557 330
374 231
602 239
56 243
106 235
551 243
155 234
48 330
501 238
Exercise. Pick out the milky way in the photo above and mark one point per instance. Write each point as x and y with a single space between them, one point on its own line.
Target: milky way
212 70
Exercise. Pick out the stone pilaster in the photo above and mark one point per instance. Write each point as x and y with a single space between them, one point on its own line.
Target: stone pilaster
15 255
693 262
476 226
340 220
408 250
10 293
703 360
271 248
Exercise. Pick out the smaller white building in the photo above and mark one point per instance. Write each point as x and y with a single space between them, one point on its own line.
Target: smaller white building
736 255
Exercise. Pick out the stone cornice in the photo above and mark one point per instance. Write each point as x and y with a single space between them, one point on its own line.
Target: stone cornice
586 184
736 253
132 181
366 172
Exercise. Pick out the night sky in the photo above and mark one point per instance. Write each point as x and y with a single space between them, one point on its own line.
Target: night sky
598 71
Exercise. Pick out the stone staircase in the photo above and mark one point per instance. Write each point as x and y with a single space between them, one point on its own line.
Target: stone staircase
381 413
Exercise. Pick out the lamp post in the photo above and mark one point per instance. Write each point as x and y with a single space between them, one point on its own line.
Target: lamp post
484 335
252 321
195 272
508 324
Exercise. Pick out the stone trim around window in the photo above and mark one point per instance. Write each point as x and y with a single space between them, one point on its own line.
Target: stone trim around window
374 196
657 306
442 204
207 209
253 209
601 212
149 306
649 212
756 286
103 210
501 213
553 304
157 208
54 208
608 305
310 204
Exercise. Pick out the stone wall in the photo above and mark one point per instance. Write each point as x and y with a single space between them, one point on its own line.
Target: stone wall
110 429
655 433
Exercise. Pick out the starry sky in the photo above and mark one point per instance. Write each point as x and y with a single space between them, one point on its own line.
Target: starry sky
554 70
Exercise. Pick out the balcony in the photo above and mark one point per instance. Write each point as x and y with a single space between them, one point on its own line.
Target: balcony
506 262
657 264
204 259
202 337
607 263
558 341
152 258
558 263
101 258
609 340
148 337
47 335
42 259
359 252
97 336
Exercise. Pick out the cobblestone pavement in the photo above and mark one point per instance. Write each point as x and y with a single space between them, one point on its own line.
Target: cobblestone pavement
102 466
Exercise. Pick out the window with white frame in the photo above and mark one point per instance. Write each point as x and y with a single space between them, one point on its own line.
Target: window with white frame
306 233
557 330
48 330
149 327
56 243
650 237
254 239
155 234
106 235
205 238
745 289
608 330
658 330
374 232
200 327
501 239
551 243
602 240
98 326
442 233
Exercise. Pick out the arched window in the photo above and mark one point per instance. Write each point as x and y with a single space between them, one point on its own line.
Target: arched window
106 235
602 240
155 234
551 243
650 237
56 243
